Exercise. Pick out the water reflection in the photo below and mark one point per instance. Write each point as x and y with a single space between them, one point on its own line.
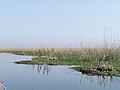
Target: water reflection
44 69
108 80
103 81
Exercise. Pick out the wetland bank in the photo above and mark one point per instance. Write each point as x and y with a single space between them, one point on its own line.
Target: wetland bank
90 61
37 69
99 66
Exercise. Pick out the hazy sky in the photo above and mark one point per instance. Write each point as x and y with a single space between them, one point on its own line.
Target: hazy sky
56 23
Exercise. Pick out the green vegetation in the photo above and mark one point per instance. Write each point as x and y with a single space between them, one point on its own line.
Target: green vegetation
18 51
92 61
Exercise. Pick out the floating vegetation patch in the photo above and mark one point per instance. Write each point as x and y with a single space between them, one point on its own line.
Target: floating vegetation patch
98 71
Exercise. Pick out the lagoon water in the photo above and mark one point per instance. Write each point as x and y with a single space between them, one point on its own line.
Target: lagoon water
29 77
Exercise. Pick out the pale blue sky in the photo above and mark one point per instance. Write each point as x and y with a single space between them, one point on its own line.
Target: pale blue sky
56 23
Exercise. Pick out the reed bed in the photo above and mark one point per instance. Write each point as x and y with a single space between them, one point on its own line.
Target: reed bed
100 59
91 59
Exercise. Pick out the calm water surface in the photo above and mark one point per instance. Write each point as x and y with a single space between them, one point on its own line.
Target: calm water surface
29 77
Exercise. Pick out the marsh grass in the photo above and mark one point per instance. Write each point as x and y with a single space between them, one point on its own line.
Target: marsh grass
86 58
106 57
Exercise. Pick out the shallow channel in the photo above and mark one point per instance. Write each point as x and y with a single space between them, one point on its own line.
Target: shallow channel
36 77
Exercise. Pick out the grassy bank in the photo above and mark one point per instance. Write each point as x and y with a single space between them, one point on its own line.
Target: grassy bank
19 51
95 61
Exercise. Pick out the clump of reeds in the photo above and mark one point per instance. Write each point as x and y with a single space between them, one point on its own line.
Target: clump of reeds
105 55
